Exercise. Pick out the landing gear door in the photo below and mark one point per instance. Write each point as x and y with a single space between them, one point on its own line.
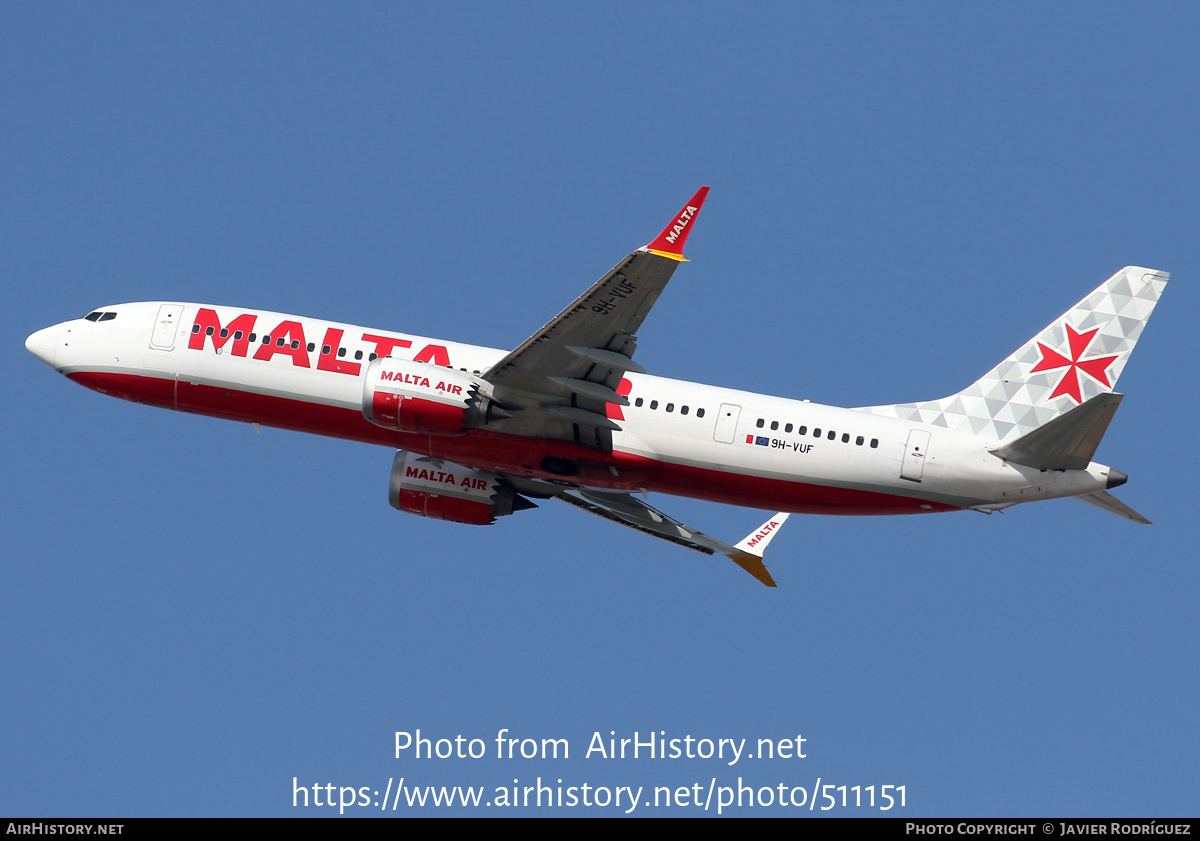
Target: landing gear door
166 325
914 455
727 418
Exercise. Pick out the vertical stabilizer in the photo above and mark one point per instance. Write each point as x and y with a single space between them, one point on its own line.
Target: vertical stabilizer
1073 359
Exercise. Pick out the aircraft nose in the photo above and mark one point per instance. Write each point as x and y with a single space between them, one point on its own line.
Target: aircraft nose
42 344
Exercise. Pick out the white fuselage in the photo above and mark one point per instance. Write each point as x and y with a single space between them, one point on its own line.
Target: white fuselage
675 436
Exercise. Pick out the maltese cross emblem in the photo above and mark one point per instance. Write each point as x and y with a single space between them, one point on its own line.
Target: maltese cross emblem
1096 368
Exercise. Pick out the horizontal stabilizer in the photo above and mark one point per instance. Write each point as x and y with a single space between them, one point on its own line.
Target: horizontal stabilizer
1069 441
1109 503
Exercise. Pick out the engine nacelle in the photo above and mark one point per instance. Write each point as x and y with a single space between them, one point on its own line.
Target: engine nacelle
447 491
413 396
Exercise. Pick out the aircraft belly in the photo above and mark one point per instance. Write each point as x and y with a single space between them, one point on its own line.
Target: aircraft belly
789 495
826 479
116 382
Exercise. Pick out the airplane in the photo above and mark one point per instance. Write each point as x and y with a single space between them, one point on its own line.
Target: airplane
480 433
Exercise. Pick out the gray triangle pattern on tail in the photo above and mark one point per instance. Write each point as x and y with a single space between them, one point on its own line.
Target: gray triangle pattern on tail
1012 399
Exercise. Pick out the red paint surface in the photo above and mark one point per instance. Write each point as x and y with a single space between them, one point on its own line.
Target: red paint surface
509 454
673 237
446 507
1097 368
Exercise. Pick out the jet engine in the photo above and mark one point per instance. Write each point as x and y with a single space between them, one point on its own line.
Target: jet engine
413 396
447 491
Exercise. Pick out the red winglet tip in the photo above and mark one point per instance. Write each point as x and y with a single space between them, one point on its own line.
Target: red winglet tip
670 242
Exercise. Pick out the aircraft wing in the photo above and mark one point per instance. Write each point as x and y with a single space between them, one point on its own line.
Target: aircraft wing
561 379
630 511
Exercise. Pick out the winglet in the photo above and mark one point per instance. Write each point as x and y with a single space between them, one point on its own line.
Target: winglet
670 242
750 551
756 542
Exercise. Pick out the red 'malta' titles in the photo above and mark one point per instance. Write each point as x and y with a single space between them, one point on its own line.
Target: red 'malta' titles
419 382
762 533
287 339
471 482
670 242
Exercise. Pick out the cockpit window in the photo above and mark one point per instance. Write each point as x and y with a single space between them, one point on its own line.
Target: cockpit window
108 316
100 316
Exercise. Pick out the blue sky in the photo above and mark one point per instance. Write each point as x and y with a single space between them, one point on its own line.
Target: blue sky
194 615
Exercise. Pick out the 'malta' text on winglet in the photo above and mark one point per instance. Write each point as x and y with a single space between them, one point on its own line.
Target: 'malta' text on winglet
671 241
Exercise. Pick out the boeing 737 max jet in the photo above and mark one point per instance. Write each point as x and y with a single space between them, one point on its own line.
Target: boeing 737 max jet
570 415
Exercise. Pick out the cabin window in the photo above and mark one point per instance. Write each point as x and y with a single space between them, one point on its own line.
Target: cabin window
224 332
195 327
774 425
683 410
787 428
874 442
208 331
759 423
237 335
372 357
831 435
802 430
638 402
325 350
670 407
358 354
279 342
699 413
310 347
816 432
254 337
266 338
295 344
845 437
653 404
341 352
859 440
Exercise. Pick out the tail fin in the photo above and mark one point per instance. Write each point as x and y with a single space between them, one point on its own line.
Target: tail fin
1073 359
